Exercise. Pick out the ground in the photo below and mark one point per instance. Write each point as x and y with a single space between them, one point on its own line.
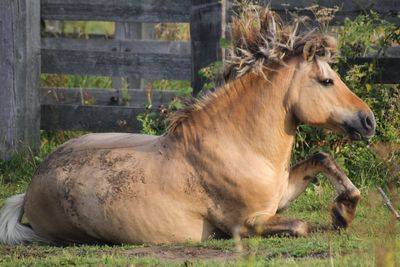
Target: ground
371 240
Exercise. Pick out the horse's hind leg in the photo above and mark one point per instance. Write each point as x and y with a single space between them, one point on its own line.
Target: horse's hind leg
343 210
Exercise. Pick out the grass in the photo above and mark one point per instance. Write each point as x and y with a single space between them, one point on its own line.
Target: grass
371 240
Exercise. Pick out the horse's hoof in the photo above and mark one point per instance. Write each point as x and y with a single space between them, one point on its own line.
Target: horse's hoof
344 209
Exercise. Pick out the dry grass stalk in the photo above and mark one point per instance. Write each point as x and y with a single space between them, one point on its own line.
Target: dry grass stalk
389 204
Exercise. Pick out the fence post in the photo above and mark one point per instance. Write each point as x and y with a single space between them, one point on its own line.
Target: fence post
20 74
207 23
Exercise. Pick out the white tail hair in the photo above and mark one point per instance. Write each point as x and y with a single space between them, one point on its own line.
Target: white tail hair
12 231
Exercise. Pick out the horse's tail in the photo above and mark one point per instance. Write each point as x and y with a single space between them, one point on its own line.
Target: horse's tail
12 231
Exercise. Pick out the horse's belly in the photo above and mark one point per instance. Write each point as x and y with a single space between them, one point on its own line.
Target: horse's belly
155 221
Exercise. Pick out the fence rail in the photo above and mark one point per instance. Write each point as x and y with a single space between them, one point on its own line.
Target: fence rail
105 97
389 9
90 118
125 55
117 10
149 59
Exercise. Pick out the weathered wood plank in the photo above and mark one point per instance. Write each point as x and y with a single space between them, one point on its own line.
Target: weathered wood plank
132 31
113 45
206 30
117 10
129 31
19 79
387 62
106 97
90 118
149 59
388 68
389 9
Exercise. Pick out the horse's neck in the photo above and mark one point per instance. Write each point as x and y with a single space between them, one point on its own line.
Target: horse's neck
249 112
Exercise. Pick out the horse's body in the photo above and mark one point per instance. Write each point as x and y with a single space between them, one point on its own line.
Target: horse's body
224 165
135 188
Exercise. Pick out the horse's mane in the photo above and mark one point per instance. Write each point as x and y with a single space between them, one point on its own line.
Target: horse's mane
261 39
259 36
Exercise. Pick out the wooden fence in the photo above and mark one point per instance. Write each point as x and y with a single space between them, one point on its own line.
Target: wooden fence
25 108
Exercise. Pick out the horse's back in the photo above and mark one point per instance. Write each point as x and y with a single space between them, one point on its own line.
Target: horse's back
110 141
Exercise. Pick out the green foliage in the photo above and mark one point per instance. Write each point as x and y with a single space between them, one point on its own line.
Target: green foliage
172 31
155 122
83 28
366 34
75 81
16 173
182 87
210 74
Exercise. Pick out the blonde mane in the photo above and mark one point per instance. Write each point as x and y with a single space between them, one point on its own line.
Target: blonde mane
259 36
196 104
261 42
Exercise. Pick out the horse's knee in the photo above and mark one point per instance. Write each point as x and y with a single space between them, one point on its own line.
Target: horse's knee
322 158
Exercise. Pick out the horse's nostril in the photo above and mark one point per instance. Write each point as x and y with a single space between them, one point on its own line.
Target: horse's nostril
368 122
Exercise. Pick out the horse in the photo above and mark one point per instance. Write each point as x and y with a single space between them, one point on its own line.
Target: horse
223 167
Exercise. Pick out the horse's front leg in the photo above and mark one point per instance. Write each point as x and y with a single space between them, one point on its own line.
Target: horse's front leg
344 207
343 210
264 225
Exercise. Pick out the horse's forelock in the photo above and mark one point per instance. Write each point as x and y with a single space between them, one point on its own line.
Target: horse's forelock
259 35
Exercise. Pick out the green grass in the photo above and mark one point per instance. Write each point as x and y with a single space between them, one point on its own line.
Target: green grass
371 240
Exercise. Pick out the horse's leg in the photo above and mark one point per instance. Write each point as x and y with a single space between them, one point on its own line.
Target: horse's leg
263 225
343 210
344 207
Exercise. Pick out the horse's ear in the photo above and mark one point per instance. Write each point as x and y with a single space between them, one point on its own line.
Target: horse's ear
309 51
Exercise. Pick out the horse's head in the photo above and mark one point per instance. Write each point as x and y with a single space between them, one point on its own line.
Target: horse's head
262 42
319 97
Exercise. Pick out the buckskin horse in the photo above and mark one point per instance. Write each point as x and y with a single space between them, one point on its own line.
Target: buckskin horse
224 163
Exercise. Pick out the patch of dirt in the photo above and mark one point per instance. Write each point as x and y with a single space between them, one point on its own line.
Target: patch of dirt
186 255
189 254
182 254
311 255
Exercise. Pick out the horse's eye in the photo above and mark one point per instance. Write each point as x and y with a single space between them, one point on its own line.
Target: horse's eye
326 82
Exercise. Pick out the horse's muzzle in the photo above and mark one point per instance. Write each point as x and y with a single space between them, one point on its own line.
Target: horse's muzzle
360 126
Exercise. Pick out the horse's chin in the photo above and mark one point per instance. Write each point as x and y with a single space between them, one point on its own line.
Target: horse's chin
354 134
